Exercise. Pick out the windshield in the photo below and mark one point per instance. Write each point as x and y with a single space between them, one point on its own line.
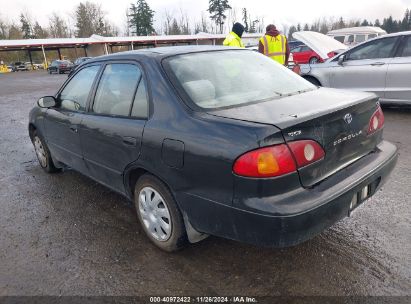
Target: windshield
229 78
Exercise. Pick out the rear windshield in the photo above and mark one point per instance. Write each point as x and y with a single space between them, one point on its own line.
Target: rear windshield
230 78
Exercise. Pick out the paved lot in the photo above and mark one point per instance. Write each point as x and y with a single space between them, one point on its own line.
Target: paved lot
64 234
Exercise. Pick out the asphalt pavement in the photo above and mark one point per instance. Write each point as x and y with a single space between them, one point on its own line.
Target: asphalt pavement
64 234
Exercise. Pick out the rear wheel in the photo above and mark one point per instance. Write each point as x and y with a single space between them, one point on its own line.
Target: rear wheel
313 60
43 154
313 81
159 214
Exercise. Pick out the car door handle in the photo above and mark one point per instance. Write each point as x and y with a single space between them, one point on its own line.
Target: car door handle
129 141
74 129
377 63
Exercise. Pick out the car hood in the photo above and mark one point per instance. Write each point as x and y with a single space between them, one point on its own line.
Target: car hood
320 43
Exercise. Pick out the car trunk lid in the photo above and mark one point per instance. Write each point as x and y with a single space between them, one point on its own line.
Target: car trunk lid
337 120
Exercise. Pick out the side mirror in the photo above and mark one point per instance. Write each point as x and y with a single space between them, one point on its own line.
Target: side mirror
46 102
341 60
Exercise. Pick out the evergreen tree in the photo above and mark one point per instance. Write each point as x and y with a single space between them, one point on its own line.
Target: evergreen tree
217 9
39 32
377 23
141 18
292 30
26 27
298 27
306 27
364 23
405 24
90 20
341 23
245 19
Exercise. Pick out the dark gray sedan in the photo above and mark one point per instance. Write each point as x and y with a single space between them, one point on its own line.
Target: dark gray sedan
213 140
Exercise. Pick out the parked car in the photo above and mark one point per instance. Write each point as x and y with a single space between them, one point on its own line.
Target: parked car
354 35
77 62
20 66
292 44
381 65
303 54
11 68
60 66
241 148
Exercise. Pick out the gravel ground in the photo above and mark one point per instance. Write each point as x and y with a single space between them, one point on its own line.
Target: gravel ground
64 234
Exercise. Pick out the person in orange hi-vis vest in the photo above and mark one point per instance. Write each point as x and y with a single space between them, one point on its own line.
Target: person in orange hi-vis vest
274 45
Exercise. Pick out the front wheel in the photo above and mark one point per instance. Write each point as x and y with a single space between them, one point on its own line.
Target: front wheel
43 154
159 214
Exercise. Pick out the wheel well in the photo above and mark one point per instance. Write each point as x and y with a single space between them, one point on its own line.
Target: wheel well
32 128
312 79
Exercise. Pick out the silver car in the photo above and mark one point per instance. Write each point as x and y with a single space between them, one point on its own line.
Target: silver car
381 65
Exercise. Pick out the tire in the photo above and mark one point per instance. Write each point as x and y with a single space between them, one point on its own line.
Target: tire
159 214
43 153
58 71
313 60
50 72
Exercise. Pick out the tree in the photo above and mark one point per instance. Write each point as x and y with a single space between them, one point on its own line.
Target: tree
245 19
57 27
26 27
141 18
377 23
39 31
364 23
306 27
90 19
4 30
292 30
298 27
405 24
217 9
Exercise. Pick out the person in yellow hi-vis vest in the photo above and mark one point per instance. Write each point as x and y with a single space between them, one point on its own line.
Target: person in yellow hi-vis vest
234 37
274 45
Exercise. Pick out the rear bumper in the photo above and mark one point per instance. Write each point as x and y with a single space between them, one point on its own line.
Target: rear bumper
297 216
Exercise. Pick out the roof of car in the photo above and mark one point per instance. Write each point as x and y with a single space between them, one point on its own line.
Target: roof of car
165 51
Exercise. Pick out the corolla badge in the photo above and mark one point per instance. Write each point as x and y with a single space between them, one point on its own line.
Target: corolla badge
348 118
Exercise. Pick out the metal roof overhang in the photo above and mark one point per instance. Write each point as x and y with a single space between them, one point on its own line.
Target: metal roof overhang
56 43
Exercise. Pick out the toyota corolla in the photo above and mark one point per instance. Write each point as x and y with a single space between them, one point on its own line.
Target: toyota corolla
216 141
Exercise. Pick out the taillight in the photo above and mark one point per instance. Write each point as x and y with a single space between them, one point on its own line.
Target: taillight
278 160
376 121
306 152
265 162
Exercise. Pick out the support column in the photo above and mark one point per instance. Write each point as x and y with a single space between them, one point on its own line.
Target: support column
85 51
105 48
75 52
31 59
132 46
45 58
58 51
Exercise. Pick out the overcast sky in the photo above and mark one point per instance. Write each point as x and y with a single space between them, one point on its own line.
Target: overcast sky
275 11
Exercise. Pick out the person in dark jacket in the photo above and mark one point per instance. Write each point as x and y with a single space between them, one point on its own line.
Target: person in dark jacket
234 37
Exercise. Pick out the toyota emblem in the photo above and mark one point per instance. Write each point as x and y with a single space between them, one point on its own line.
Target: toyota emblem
348 118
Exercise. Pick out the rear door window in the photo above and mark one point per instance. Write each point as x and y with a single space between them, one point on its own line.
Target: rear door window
117 88
140 104
75 94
